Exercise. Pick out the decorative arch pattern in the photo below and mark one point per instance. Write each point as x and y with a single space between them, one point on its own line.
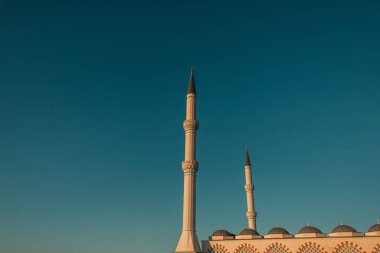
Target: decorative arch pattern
310 247
277 247
376 249
348 247
246 248
217 248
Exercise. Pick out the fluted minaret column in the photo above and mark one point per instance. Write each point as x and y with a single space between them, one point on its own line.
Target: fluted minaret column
251 214
188 241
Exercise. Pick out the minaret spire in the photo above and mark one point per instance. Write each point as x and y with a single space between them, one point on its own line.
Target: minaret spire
188 241
247 160
251 213
191 88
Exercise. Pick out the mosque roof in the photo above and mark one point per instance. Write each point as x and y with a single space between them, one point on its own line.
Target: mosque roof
374 228
278 230
343 228
249 231
309 229
222 232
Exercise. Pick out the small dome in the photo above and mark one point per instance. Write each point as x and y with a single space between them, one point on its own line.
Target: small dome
374 228
309 229
343 228
249 231
278 230
222 232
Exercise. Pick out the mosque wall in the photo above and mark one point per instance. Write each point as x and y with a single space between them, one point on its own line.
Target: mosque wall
295 245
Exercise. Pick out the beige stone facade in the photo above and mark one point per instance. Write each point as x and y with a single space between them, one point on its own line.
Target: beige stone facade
362 244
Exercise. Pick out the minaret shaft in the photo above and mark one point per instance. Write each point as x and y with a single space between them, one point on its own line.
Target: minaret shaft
188 241
191 106
189 204
190 131
251 214
250 203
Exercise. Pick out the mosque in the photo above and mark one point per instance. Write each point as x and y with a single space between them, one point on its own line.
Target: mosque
309 239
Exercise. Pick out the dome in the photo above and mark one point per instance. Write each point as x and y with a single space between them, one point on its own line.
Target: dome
278 230
374 228
309 229
343 228
249 231
222 232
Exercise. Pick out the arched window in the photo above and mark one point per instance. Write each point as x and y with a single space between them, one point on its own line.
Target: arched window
217 248
347 247
277 248
310 247
376 249
246 248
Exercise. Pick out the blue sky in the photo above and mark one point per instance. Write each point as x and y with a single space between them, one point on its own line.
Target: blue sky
92 100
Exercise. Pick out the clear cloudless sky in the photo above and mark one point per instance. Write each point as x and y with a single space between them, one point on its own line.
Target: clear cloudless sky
92 100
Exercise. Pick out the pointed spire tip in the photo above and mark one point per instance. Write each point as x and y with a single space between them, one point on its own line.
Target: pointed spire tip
247 160
191 88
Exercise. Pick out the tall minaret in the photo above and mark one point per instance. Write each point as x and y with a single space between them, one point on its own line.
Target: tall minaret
251 214
188 241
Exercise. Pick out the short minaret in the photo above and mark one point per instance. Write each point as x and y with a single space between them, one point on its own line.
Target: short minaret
251 214
188 241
